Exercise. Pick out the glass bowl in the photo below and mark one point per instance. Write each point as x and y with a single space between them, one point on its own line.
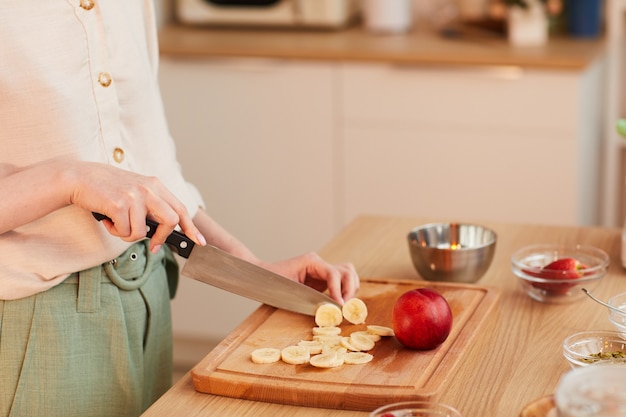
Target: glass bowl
416 409
618 320
559 287
595 346
592 391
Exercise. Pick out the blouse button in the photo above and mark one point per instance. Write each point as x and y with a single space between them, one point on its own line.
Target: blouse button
104 78
118 155
87 4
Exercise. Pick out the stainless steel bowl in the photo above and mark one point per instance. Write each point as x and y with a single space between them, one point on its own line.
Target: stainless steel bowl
453 252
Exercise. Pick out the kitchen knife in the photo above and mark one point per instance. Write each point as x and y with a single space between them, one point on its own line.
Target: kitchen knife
220 269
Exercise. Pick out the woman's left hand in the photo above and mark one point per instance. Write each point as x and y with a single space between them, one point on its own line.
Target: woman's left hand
341 280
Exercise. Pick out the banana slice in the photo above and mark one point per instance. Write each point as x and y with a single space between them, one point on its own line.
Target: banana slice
328 315
380 330
372 336
265 355
345 342
332 340
361 341
327 360
295 355
314 346
357 358
355 311
326 331
339 350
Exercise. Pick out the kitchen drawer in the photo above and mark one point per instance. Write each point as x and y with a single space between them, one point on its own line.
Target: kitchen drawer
467 96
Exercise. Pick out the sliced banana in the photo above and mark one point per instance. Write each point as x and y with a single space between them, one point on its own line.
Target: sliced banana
361 341
295 355
380 330
332 340
357 358
328 315
327 360
372 336
345 342
314 346
265 355
326 331
355 311
339 350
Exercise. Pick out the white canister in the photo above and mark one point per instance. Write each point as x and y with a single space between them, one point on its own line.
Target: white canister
388 16
528 27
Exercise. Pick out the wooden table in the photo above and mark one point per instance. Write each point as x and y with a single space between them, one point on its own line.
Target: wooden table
516 360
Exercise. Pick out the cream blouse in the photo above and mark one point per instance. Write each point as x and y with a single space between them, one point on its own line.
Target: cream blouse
78 79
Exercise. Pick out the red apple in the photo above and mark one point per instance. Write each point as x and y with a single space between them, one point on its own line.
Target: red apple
562 269
422 319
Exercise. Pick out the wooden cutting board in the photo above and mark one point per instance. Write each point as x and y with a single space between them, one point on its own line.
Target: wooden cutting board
395 373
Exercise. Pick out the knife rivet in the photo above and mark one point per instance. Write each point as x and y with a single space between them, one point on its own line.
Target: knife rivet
183 245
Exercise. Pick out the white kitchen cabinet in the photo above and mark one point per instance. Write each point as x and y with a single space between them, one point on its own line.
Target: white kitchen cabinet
256 138
493 143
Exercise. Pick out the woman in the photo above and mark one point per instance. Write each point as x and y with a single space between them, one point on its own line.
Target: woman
85 326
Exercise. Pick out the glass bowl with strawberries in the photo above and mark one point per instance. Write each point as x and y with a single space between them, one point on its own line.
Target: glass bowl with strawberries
552 273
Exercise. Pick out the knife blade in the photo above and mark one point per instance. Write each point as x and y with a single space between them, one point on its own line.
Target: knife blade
213 266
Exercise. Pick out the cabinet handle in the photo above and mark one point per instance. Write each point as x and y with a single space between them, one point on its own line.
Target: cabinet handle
621 127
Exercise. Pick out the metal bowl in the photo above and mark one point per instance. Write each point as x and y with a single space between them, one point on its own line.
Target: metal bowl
452 252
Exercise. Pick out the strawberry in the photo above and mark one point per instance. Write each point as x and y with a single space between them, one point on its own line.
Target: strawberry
561 269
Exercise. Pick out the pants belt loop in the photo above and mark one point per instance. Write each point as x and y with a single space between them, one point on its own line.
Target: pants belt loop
89 290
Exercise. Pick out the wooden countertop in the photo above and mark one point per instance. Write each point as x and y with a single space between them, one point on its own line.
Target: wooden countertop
355 44
516 360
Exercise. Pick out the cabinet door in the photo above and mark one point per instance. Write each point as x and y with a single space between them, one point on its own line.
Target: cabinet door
470 176
502 144
255 137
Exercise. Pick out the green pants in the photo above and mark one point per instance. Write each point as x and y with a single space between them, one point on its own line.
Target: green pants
99 344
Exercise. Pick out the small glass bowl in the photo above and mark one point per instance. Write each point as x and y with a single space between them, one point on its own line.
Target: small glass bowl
595 346
416 409
592 391
528 263
618 320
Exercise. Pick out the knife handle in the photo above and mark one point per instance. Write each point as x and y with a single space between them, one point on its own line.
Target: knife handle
178 240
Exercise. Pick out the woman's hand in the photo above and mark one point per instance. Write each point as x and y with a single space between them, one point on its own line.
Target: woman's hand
125 197
341 280
128 199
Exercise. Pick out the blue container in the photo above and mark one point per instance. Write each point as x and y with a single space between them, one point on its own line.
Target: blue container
584 17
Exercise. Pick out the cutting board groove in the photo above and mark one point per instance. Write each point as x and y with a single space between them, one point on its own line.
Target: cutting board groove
395 374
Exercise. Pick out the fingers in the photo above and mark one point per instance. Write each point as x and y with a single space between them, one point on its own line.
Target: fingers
343 282
128 199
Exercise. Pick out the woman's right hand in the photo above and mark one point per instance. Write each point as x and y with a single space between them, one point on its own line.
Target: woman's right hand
127 199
